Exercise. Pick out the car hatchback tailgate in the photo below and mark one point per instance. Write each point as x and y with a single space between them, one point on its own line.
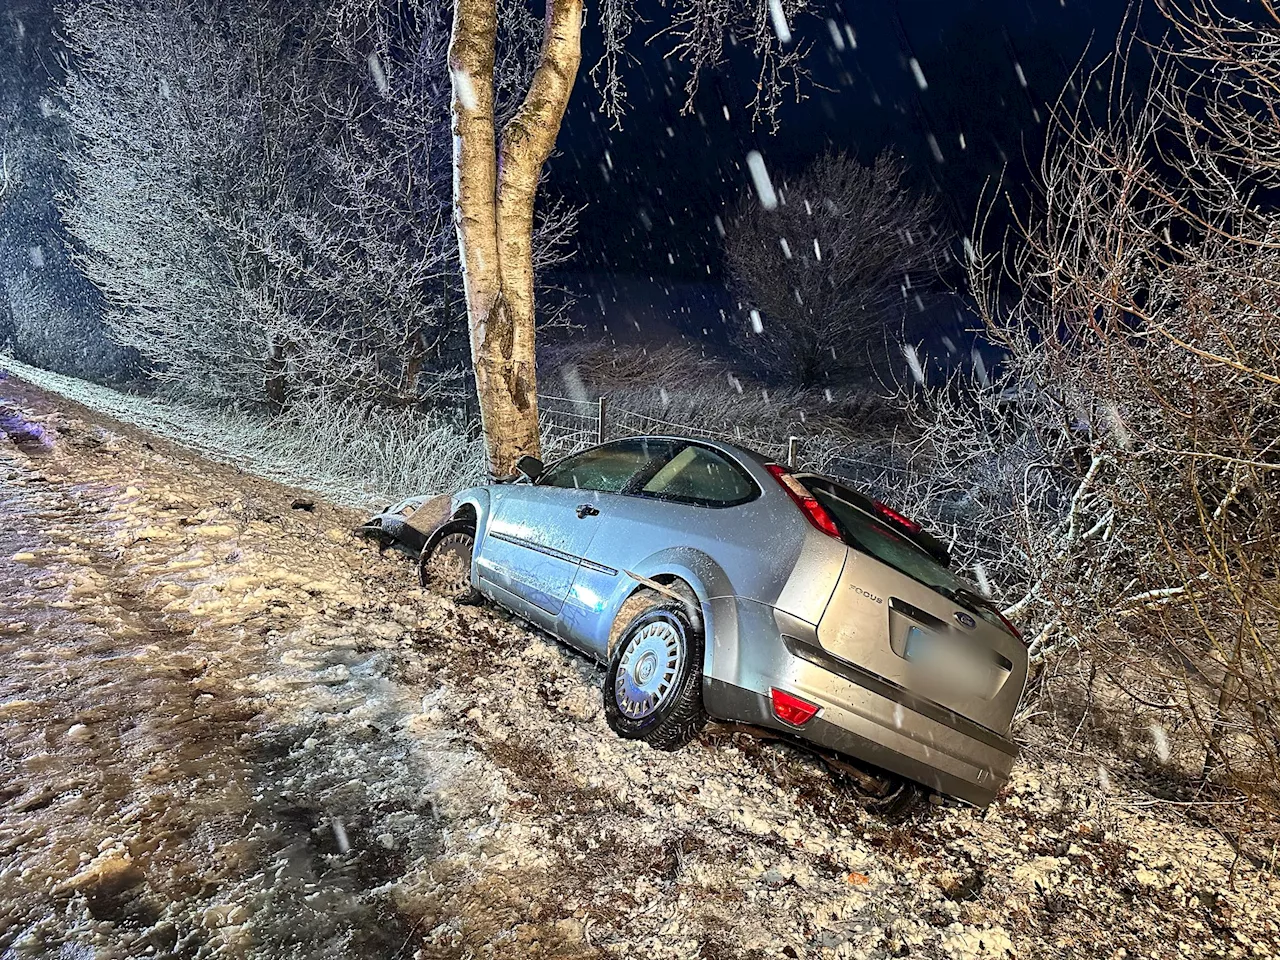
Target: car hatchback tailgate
887 623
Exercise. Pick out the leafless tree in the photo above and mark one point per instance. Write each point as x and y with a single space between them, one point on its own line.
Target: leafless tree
845 251
498 162
1132 438
159 112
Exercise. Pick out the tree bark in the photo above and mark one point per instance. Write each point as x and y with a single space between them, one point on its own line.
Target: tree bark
495 187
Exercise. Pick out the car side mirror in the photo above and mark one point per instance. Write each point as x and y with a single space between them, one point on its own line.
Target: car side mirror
530 468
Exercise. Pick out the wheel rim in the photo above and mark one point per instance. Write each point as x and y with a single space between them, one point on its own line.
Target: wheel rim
449 569
651 661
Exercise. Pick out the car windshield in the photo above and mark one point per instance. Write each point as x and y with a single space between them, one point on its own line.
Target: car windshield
869 535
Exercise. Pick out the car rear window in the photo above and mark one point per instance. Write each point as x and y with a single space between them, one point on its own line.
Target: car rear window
700 476
866 533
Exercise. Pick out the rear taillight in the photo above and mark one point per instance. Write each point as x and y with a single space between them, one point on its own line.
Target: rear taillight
1011 628
814 512
897 519
791 709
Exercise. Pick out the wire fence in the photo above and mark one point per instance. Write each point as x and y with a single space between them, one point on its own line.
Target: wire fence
569 425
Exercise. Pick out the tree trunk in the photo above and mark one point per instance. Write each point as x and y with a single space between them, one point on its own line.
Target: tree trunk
414 355
493 212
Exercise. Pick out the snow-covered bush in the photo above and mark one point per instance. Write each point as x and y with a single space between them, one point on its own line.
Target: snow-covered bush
1129 448
681 390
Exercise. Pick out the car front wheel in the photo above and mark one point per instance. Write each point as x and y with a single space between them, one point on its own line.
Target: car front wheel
445 564
653 689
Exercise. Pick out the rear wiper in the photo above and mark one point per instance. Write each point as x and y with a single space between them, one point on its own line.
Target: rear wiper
971 601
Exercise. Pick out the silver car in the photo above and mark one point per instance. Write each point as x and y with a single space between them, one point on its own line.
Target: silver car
714 583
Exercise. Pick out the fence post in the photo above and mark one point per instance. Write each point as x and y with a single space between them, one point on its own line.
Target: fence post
604 407
793 451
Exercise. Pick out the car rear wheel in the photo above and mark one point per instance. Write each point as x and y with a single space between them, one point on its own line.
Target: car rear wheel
445 564
653 689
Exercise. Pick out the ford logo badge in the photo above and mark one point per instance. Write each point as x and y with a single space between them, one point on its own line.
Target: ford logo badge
965 620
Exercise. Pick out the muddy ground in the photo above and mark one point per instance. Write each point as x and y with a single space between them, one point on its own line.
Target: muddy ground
230 729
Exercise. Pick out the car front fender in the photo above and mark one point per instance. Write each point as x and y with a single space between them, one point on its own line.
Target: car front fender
478 499
707 579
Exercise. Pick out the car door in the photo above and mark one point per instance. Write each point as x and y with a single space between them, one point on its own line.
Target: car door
696 498
538 532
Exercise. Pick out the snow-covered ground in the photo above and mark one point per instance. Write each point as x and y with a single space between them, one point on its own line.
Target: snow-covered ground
231 729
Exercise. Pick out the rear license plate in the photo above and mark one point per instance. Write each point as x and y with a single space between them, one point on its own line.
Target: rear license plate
920 643
944 656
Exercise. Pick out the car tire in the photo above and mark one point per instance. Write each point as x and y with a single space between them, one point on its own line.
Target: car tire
653 688
444 566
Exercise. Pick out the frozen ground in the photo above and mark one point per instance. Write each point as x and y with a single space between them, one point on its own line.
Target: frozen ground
229 729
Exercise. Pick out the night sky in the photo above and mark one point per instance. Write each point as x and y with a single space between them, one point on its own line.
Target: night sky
649 257
652 189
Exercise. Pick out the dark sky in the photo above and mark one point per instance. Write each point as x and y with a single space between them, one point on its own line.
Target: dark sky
652 189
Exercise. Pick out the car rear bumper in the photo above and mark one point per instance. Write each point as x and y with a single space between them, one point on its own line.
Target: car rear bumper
753 648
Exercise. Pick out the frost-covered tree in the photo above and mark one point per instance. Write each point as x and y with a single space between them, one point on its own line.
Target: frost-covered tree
164 112
263 193
830 264
498 161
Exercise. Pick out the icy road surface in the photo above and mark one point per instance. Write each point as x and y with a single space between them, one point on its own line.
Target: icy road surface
231 730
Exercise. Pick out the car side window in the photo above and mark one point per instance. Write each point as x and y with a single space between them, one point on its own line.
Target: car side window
607 468
701 476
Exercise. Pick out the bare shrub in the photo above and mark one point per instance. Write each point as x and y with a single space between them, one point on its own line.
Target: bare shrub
680 390
842 255
1128 447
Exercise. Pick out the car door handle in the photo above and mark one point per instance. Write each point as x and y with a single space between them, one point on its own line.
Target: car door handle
587 510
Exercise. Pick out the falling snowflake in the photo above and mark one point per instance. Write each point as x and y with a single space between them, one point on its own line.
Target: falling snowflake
916 72
1160 740
340 835
779 18
979 367
984 581
379 75
935 149
913 362
760 178
466 93
836 39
